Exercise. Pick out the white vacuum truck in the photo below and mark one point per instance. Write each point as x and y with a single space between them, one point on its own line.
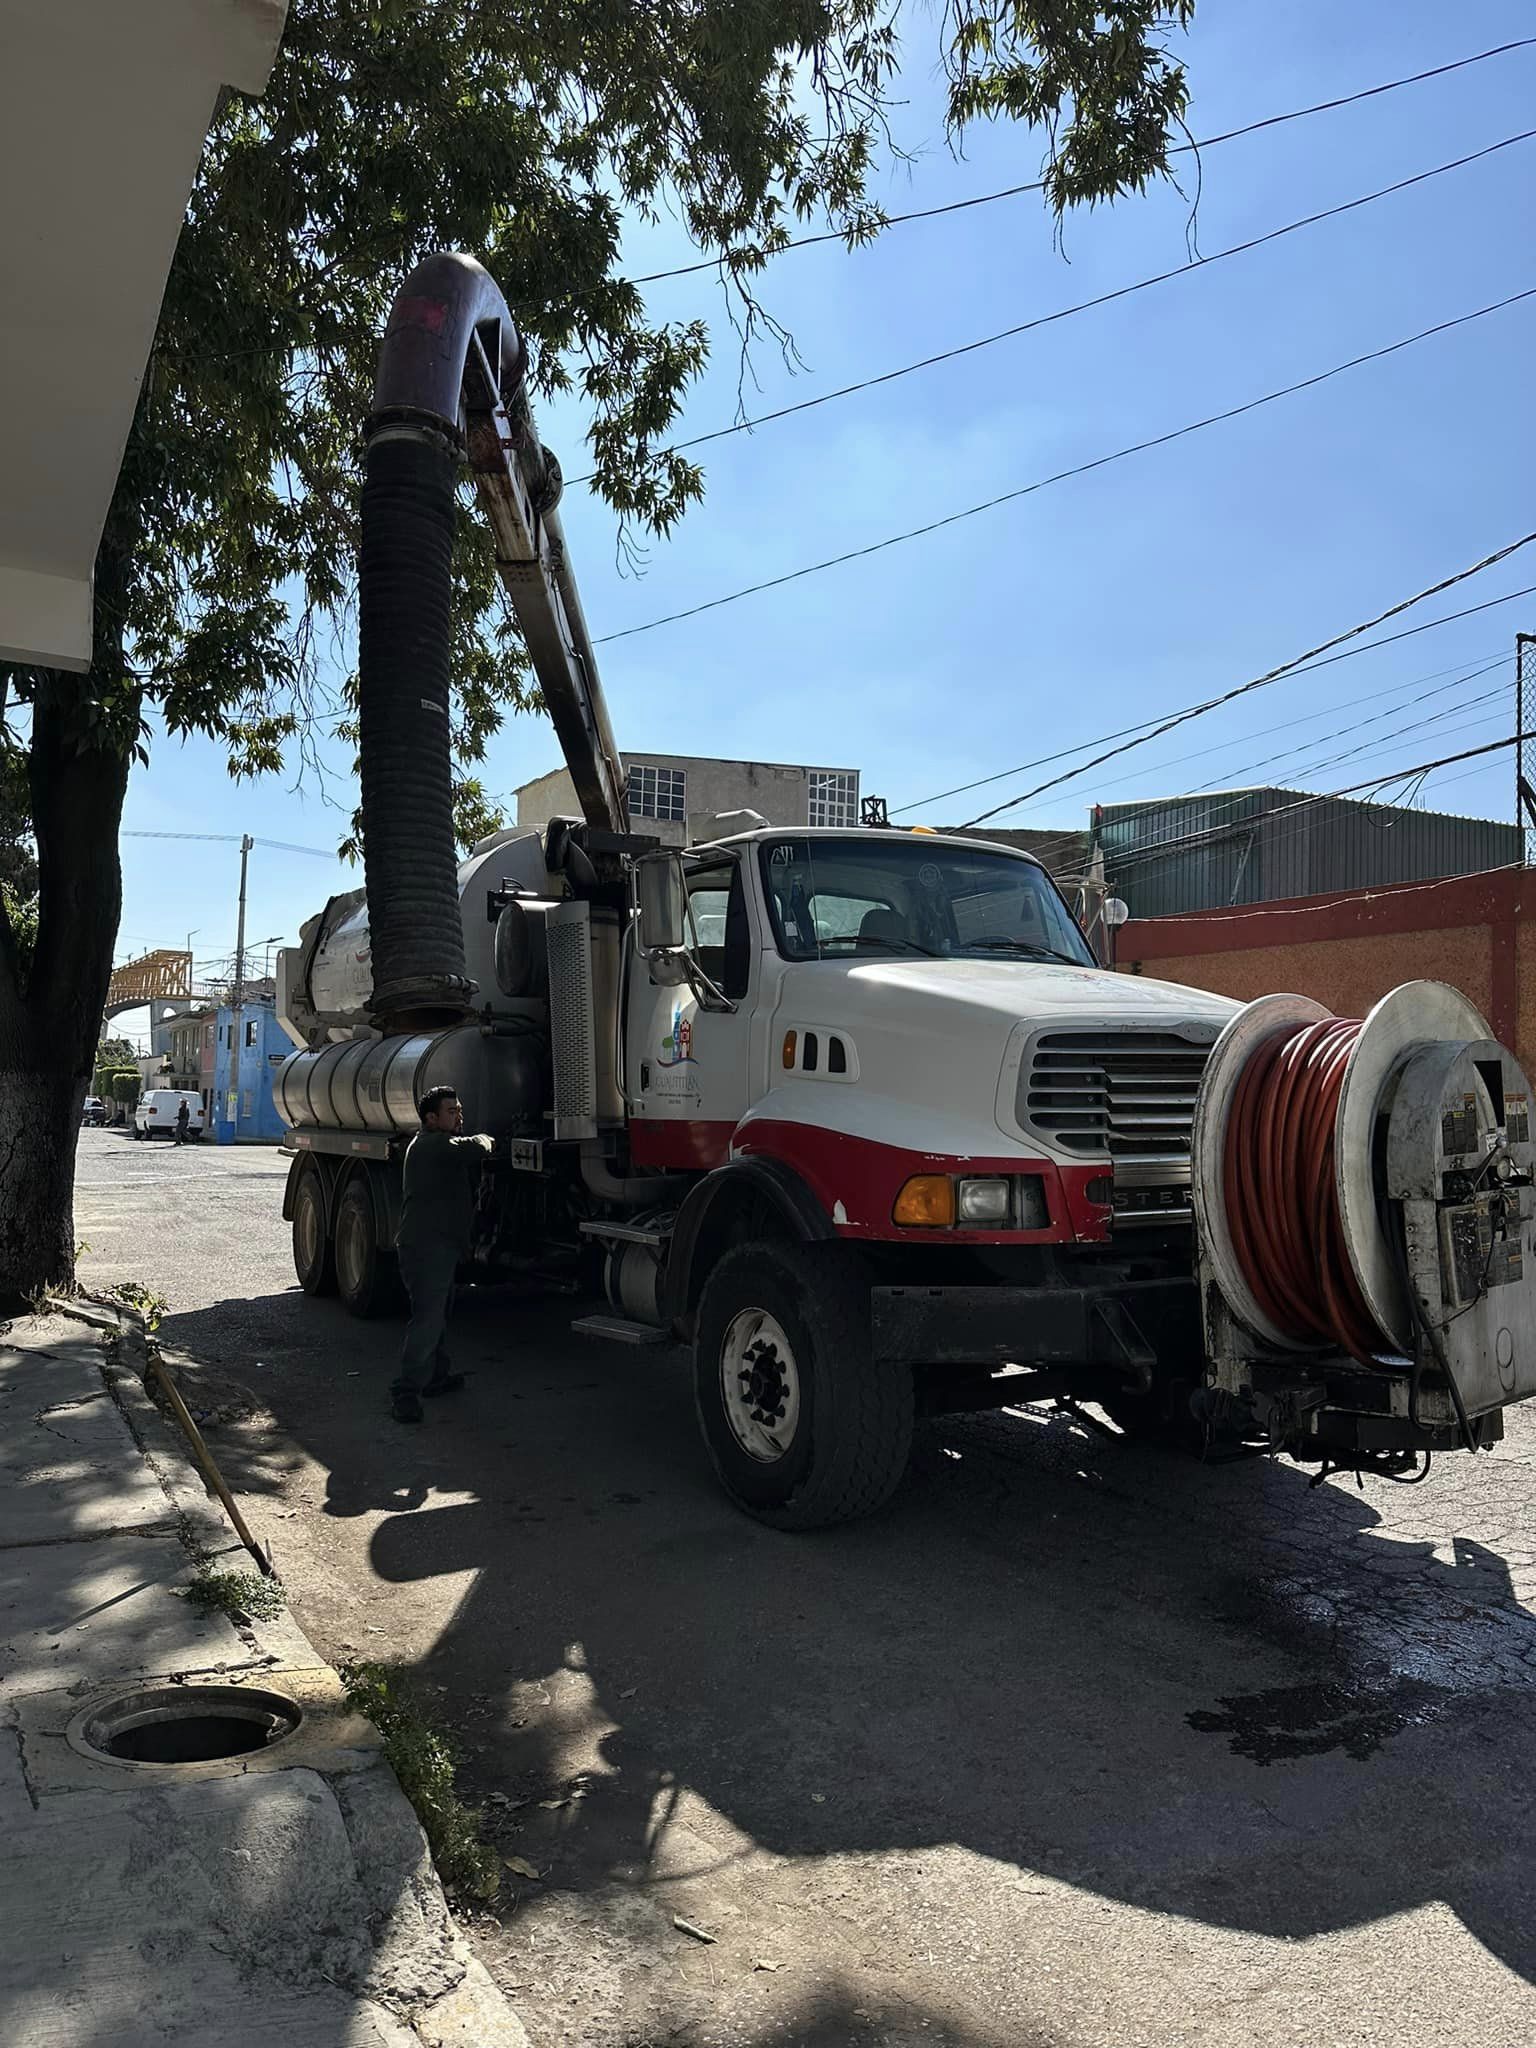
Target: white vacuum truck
854 1113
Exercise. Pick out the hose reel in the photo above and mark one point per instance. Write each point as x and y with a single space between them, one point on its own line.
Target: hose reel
1363 1196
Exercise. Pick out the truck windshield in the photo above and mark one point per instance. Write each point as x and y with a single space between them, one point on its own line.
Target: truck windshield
913 896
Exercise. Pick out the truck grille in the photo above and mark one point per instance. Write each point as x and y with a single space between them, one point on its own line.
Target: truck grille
1129 1094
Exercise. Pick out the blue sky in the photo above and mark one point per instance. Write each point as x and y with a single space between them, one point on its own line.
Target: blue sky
1102 601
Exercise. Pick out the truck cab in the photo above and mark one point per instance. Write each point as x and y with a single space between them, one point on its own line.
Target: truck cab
876 1008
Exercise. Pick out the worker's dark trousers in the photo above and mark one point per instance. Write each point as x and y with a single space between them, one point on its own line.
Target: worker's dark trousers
427 1270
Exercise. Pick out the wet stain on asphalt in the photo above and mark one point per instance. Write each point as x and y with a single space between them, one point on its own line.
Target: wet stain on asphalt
1291 1721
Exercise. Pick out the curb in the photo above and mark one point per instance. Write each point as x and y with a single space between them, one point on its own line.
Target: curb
412 1928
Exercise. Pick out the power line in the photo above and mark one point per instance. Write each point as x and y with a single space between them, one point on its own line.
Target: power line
1137 856
1124 291
1273 675
1239 795
233 839
875 222
1230 916
1145 724
1307 746
1370 782
1065 475
745 257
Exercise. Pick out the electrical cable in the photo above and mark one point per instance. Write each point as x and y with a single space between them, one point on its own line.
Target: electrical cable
1371 782
233 839
1134 856
1124 291
1272 675
751 257
875 222
1146 724
1460 678
1214 419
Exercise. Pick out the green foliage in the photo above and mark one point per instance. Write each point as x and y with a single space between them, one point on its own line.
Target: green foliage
243 1596
116 1054
18 854
423 1760
141 1301
1098 80
521 132
126 1088
21 915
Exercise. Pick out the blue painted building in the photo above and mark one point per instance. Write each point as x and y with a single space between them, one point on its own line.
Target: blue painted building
242 1074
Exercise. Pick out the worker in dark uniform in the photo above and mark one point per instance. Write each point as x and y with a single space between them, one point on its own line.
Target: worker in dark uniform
436 1217
182 1120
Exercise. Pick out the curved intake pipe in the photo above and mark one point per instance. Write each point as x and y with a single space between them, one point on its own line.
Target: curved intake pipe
450 390
448 312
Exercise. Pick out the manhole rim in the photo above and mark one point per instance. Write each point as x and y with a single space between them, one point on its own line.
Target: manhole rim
189 1700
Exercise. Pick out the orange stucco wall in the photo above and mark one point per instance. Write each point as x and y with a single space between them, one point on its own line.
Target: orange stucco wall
1477 932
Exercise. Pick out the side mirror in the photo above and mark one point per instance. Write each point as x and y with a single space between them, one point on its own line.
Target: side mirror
1116 912
662 900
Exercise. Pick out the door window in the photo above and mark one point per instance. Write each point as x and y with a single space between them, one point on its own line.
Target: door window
720 937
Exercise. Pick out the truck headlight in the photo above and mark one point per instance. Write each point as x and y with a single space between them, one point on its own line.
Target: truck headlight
984 1201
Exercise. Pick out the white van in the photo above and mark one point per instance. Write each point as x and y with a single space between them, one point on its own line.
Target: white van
155 1116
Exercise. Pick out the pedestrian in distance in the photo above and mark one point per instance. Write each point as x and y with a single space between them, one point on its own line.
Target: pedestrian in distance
183 1118
436 1219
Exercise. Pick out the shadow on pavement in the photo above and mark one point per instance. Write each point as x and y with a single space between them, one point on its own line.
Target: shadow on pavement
1206 1692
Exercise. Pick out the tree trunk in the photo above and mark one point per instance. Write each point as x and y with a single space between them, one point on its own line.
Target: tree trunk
39 1122
83 732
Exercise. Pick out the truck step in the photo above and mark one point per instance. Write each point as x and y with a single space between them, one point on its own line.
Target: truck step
627 1233
618 1330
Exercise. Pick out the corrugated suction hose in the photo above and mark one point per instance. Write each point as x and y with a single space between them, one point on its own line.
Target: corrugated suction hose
1281 1196
404 625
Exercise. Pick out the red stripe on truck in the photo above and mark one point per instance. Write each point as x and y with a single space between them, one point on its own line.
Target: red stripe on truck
861 1177
858 1179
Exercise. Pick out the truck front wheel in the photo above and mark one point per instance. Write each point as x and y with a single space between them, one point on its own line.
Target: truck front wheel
803 1426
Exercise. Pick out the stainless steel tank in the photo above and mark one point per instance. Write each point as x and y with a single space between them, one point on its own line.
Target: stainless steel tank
374 1084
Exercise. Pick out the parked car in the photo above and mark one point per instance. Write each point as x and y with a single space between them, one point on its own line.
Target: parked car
155 1116
93 1111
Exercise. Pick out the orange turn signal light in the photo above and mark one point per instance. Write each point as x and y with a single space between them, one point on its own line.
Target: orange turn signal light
926 1202
789 1049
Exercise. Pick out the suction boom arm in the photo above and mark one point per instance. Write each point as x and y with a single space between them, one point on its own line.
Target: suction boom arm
452 355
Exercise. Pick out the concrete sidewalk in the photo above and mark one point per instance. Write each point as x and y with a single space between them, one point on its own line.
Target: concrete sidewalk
284 1896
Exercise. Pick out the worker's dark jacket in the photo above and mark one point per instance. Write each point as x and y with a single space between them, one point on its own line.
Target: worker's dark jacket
437 1206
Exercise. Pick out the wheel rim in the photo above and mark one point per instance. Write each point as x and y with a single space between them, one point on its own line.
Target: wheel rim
760 1385
311 1232
351 1250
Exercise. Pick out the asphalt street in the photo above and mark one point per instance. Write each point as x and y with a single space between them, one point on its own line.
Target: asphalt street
1079 1744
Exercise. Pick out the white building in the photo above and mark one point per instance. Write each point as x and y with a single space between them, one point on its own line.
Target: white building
104 108
670 793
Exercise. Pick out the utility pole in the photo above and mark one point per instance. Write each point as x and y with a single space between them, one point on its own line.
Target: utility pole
237 1005
1525 745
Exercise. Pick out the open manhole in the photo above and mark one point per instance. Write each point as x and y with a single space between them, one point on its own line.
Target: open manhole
186 1724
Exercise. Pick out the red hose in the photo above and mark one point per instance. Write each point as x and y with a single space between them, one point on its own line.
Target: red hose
1281 1199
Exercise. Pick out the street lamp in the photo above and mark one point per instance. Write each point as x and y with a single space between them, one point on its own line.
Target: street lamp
266 951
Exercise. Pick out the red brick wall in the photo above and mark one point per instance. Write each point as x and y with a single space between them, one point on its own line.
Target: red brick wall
1477 932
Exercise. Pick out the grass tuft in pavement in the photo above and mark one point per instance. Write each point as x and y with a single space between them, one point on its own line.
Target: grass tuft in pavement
424 1762
243 1596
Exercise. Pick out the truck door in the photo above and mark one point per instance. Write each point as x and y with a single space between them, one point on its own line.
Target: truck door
689 1060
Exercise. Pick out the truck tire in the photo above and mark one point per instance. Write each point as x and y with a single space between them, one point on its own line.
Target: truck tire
367 1276
314 1253
803 1427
